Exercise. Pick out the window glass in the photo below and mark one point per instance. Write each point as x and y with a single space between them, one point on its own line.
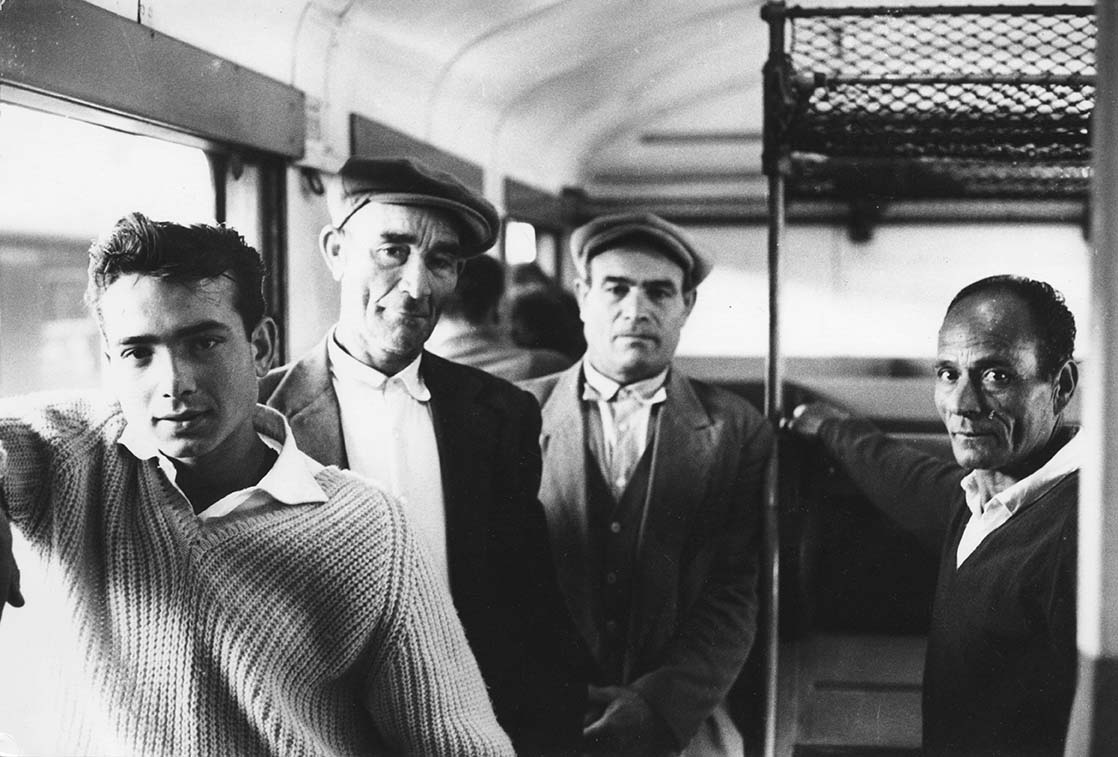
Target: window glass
63 183
547 251
880 299
520 242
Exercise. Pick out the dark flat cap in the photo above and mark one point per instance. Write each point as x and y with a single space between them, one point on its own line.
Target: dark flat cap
609 232
401 181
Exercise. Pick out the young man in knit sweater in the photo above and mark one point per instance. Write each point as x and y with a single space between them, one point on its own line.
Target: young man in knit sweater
999 674
229 595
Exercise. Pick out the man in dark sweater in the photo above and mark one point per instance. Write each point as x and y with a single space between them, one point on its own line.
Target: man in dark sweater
999 674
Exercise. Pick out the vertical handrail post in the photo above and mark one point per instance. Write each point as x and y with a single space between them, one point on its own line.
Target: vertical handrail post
774 163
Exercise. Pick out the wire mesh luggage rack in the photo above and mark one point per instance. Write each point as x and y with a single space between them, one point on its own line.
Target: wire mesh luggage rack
930 102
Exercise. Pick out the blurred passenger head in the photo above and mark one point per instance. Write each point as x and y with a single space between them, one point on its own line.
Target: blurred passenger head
636 289
546 319
529 276
1005 372
477 298
181 316
398 236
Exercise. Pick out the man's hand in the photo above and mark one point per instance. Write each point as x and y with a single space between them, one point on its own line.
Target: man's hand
806 419
9 571
623 722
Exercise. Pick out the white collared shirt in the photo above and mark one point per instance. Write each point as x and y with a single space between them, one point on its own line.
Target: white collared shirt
389 437
290 480
652 389
988 515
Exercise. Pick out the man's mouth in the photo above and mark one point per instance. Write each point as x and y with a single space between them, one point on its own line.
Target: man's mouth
416 314
972 434
182 420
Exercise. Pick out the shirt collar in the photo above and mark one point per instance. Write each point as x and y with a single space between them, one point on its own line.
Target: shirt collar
1018 494
600 387
290 480
346 367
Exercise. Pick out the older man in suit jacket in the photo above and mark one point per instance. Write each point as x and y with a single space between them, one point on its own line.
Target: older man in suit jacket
652 485
457 446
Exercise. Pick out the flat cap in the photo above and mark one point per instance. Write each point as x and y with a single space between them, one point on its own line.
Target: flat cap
402 181
608 232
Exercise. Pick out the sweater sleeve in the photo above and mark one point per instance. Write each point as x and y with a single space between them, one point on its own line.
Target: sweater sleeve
426 695
43 437
916 489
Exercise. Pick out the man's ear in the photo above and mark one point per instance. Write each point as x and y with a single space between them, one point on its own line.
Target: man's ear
263 342
689 301
582 288
330 245
1066 381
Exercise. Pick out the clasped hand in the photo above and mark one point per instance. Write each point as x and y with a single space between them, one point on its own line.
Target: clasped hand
620 721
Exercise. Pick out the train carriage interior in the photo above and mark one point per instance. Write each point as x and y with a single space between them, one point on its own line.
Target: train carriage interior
914 153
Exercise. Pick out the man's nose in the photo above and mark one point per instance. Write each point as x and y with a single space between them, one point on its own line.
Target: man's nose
176 375
964 397
415 279
635 306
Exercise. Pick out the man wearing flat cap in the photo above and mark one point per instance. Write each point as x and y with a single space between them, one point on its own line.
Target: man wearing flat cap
457 446
652 487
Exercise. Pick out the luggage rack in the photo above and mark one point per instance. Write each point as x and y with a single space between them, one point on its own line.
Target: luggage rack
930 101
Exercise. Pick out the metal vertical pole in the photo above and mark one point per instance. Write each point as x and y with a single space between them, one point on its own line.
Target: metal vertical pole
1094 729
774 404
773 160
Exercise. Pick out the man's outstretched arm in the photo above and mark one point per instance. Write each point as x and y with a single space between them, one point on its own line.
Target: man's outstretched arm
913 487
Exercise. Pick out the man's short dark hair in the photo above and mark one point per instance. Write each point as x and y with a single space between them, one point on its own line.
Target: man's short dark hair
180 254
1053 323
481 283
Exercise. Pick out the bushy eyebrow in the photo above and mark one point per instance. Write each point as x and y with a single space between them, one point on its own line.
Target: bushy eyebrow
646 283
402 237
194 329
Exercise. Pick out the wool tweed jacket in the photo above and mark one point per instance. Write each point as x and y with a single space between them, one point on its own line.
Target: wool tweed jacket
502 578
694 608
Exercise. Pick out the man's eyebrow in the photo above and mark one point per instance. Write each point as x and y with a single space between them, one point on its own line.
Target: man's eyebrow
618 280
402 237
185 332
992 361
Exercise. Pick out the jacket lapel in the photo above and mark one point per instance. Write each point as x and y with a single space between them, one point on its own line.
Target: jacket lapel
682 456
464 430
564 496
306 396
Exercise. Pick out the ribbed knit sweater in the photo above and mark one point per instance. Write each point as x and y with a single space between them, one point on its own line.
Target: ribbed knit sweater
315 629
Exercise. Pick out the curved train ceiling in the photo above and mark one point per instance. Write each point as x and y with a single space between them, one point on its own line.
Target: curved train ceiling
631 98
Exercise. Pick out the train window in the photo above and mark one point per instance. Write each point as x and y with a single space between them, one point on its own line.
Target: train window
65 183
520 242
547 251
